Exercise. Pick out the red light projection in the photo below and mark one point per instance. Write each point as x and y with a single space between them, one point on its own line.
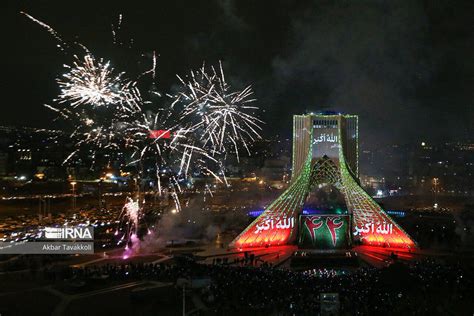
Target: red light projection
380 231
333 223
267 231
313 223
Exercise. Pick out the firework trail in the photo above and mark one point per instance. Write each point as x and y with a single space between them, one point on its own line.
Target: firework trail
114 30
152 70
129 218
61 44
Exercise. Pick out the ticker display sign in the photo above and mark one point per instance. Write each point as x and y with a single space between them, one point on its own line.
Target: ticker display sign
324 231
159 134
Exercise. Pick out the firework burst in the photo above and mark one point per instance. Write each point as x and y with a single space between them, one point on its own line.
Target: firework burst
94 82
224 118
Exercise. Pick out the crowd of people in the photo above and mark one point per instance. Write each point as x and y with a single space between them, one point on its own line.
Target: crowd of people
324 273
421 287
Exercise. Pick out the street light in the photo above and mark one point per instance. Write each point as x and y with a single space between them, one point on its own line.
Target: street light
99 186
182 282
435 184
73 184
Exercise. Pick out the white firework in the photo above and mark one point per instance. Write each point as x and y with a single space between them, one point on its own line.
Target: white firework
94 82
224 118
129 219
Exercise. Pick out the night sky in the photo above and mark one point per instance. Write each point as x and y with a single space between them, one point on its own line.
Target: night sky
406 67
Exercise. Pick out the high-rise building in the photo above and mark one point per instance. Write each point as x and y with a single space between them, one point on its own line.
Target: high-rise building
325 161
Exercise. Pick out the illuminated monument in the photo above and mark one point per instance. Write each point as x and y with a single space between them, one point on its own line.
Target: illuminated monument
325 157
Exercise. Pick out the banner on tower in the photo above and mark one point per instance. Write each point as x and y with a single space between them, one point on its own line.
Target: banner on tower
324 231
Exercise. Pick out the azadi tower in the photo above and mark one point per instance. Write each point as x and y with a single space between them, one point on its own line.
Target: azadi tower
325 153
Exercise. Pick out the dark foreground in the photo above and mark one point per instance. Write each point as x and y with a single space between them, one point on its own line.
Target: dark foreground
423 288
